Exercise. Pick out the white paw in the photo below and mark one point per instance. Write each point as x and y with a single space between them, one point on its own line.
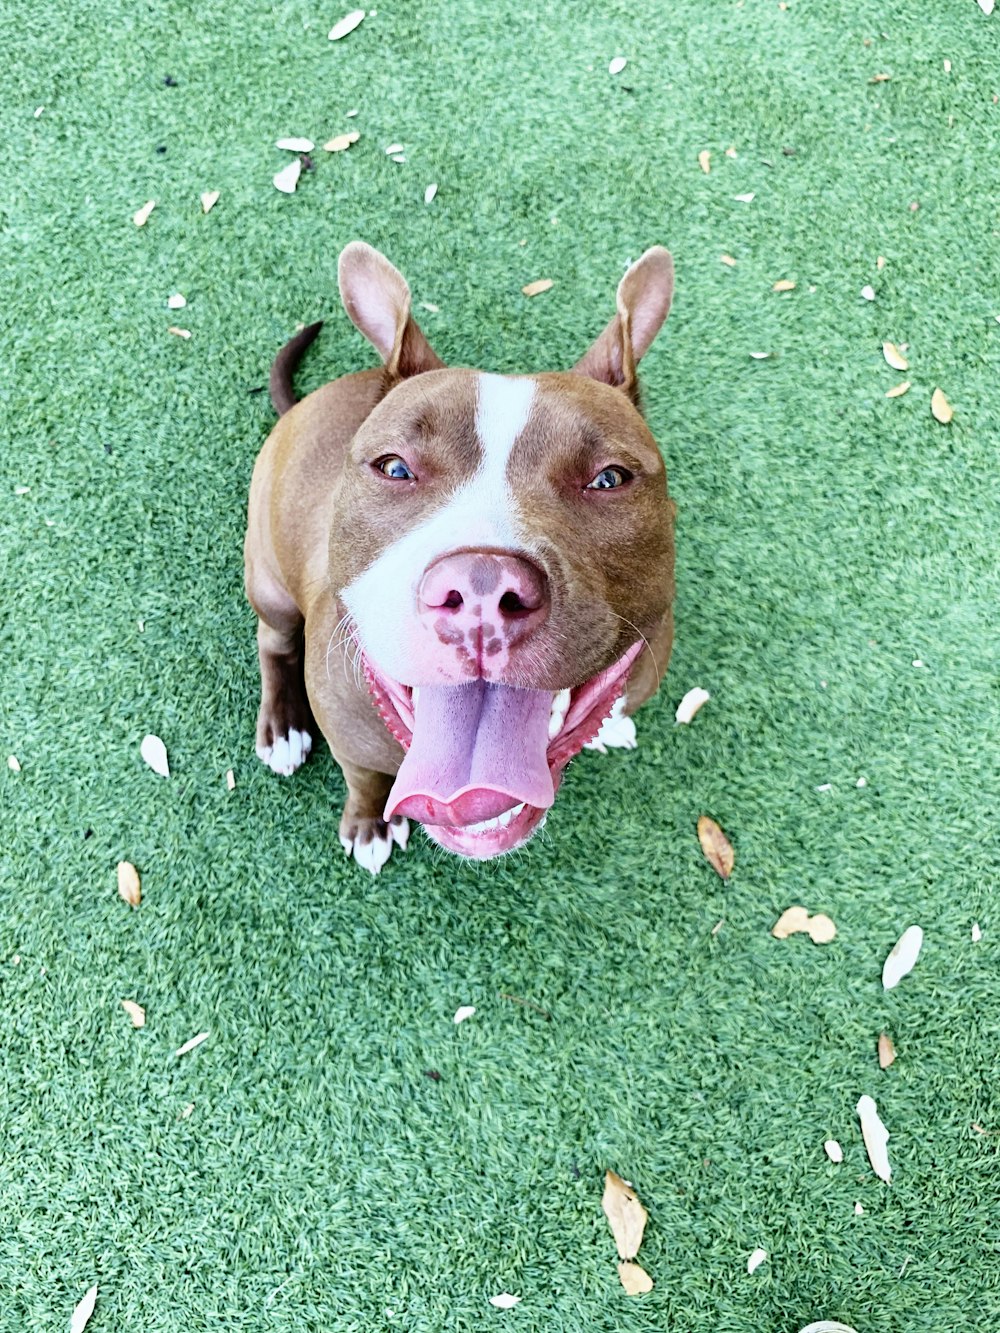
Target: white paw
287 753
373 853
617 731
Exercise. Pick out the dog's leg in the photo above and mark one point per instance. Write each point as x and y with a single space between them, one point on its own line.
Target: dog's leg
284 722
363 832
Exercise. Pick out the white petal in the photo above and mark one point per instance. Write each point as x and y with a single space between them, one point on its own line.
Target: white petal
154 752
347 24
903 956
296 145
288 177
876 1138
463 1012
83 1311
690 704
617 65
176 302
756 1259
868 292
429 193
505 1301
833 1150
208 200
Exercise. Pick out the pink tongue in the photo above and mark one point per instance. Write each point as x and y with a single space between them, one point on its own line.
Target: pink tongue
477 750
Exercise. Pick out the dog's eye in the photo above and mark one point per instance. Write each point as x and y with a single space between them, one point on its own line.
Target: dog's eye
608 479
394 468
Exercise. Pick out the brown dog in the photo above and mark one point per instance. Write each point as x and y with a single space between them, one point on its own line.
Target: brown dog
460 576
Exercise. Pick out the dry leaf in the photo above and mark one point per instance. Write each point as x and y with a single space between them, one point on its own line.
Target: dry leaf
429 193
135 1012
190 1045
176 302
129 888
634 1279
868 292
705 161
347 24
941 409
756 1259
626 1215
903 956
287 178
617 65
535 288
690 704
340 142
876 1138
178 333
728 260
895 357
898 390
13 763
745 198
794 920
463 1012
505 1301
716 846
81 1315
886 1051
208 200
142 216
833 1150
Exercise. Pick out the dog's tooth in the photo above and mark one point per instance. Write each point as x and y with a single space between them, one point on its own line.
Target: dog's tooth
414 696
557 715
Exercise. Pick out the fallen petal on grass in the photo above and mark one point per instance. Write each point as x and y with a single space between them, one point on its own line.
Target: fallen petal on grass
689 705
129 888
154 752
341 142
141 217
902 957
941 409
898 390
895 357
537 287
345 25
135 1012
81 1315
208 200
876 1138
833 1150
287 178
756 1259
192 1044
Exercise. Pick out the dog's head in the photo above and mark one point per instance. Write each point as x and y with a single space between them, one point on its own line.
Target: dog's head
503 544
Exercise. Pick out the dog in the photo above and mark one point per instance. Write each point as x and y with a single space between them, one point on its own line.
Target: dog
461 578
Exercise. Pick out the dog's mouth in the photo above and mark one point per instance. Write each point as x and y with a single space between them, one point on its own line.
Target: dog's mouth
483 759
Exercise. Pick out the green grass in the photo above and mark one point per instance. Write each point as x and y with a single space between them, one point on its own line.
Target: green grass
827 539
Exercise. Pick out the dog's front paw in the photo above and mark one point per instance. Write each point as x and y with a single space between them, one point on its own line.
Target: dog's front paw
284 754
370 841
617 731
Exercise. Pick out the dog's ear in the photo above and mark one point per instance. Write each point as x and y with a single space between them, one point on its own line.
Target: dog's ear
376 297
643 300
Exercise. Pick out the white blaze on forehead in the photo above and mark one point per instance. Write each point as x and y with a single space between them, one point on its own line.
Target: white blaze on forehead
480 511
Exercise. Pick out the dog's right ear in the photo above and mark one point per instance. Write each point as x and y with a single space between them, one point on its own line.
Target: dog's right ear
377 299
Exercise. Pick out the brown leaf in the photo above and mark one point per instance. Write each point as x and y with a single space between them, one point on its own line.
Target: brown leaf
716 846
895 357
941 409
705 161
886 1051
634 1279
626 1215
535 288
898 390
129 888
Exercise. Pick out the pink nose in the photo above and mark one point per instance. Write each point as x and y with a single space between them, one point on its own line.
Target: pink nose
503 595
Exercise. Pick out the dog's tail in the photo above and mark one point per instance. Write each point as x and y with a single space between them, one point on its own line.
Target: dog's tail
283 370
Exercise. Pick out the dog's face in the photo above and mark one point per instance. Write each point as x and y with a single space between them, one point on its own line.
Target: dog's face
503 545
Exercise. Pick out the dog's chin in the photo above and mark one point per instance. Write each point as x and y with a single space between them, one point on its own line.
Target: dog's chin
575 717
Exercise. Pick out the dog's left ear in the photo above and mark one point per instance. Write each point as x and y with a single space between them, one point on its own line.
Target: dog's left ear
643 301
377 299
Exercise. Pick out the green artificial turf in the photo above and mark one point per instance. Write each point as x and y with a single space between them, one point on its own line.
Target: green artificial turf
302 1170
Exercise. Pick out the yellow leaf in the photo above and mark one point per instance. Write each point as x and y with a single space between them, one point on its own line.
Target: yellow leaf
705 161
634 1279
716 846
784 285
341 141
898 390
895 357
941 409
534 288
129 888
626 1215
